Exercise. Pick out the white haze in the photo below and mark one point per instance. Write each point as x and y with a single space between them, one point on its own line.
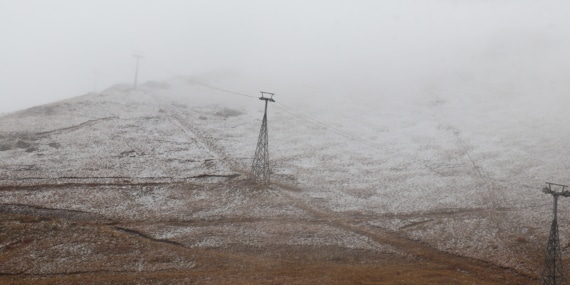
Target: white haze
371 52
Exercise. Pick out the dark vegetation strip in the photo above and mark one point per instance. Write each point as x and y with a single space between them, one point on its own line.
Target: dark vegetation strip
221 221
81 184
231 176
42 212
79 272
126 181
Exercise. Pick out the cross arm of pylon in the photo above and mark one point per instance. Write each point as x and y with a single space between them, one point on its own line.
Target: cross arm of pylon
548 189
270 98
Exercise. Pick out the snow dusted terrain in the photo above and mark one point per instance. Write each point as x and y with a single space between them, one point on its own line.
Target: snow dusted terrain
460 175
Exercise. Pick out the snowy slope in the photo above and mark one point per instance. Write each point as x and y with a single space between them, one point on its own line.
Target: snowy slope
462 174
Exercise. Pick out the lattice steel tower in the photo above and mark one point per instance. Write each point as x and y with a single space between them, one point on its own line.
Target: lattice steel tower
552 273
260 167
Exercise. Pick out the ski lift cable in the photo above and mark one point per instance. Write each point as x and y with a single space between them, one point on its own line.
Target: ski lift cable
281 106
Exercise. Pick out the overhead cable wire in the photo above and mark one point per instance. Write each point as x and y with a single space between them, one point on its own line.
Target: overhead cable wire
283 107
193 81
289 110
326 127
318 124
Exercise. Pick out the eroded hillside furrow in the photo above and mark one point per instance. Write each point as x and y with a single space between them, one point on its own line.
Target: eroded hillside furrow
71 128
142 235
194 133
493 193
208 143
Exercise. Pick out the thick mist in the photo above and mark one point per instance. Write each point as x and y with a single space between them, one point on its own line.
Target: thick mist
372 52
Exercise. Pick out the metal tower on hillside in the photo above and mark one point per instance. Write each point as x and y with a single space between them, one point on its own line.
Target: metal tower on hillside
260 167
552 273
138 57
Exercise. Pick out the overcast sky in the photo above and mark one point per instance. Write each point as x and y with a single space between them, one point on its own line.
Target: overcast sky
53 50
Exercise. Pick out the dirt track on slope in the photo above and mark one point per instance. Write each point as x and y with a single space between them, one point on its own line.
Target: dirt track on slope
117 259
417 249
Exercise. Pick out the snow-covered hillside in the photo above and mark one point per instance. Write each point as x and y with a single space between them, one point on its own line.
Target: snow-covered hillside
461 174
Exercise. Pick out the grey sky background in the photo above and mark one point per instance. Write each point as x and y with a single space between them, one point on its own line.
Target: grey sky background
372 50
